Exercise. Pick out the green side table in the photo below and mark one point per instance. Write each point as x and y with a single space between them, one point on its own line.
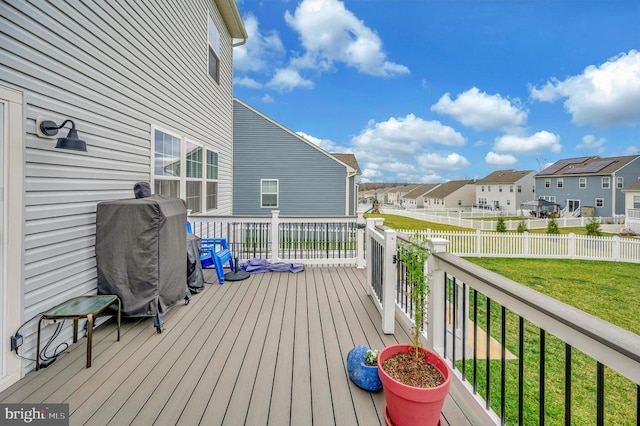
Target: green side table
77 308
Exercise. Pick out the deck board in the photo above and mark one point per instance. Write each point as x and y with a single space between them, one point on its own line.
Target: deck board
269 350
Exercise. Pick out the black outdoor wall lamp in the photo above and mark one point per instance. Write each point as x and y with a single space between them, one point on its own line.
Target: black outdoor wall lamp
71 141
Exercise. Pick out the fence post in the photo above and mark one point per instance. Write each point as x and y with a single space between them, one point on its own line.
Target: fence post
360 261
275 234
478 243
435 302
389 282
525 244
615 248
571 246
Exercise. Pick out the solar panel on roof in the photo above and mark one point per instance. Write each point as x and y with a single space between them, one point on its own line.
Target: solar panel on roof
594 167
558 165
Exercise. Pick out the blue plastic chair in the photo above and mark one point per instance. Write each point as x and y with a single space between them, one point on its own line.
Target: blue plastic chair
210 255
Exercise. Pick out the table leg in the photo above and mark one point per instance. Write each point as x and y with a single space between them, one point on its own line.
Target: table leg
89 336
38 345
119 309
75 330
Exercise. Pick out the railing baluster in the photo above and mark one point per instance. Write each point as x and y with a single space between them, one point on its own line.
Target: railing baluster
542 375
464 329
600 394
446 290
503 338
475 340
454 322
488 357
567 384
520 370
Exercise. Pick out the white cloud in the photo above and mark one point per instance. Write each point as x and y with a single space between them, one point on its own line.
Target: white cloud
247 82
267 99
330 33
325 144
482 111
449 162
500 159
632 150
287 79
591 143
539 142
259 50
406 135
604 96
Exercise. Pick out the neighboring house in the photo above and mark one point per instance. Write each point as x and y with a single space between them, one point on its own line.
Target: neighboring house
505 190
588 182
632 203
395 195
149 88
450 195
277 169
414 199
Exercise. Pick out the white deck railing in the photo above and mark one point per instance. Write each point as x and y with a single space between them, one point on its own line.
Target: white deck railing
457 284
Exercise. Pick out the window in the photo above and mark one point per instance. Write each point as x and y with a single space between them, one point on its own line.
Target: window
166 151
636 201
582 182
519 188
214 51
482 188
211 193
606 182
560 182
268 193
511 188
172 170
508 202
500 188
488 188
619 182
599 202
547 183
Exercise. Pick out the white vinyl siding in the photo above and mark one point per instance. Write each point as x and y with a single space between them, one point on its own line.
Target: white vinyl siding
116 69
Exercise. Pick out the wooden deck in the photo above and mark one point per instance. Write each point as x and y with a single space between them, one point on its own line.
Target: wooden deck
268 350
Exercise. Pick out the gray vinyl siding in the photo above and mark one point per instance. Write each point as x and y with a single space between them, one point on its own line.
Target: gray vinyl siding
116 69
311 183
353 188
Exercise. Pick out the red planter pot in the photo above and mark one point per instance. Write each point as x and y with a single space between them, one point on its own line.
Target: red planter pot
408 405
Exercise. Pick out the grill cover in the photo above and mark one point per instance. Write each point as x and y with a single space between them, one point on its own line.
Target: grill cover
141 253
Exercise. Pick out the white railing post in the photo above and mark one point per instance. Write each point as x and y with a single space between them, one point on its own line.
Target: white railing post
371 224
275 234
389 282
435 302
360 260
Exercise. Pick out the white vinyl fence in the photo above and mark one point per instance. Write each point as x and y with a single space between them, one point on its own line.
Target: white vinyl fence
567 246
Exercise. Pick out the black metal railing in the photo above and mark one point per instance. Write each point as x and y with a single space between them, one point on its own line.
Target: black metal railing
525 374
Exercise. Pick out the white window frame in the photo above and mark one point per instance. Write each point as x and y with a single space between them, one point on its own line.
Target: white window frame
211 179
636 201
500 188
519 188
547 182
619 182
182 179
510 188
560 183
277 181
582 183
606 182
599 202
213 47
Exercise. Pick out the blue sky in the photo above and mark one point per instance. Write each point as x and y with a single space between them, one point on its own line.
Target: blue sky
431 91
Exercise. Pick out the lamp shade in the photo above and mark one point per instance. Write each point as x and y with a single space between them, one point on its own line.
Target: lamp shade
72 141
